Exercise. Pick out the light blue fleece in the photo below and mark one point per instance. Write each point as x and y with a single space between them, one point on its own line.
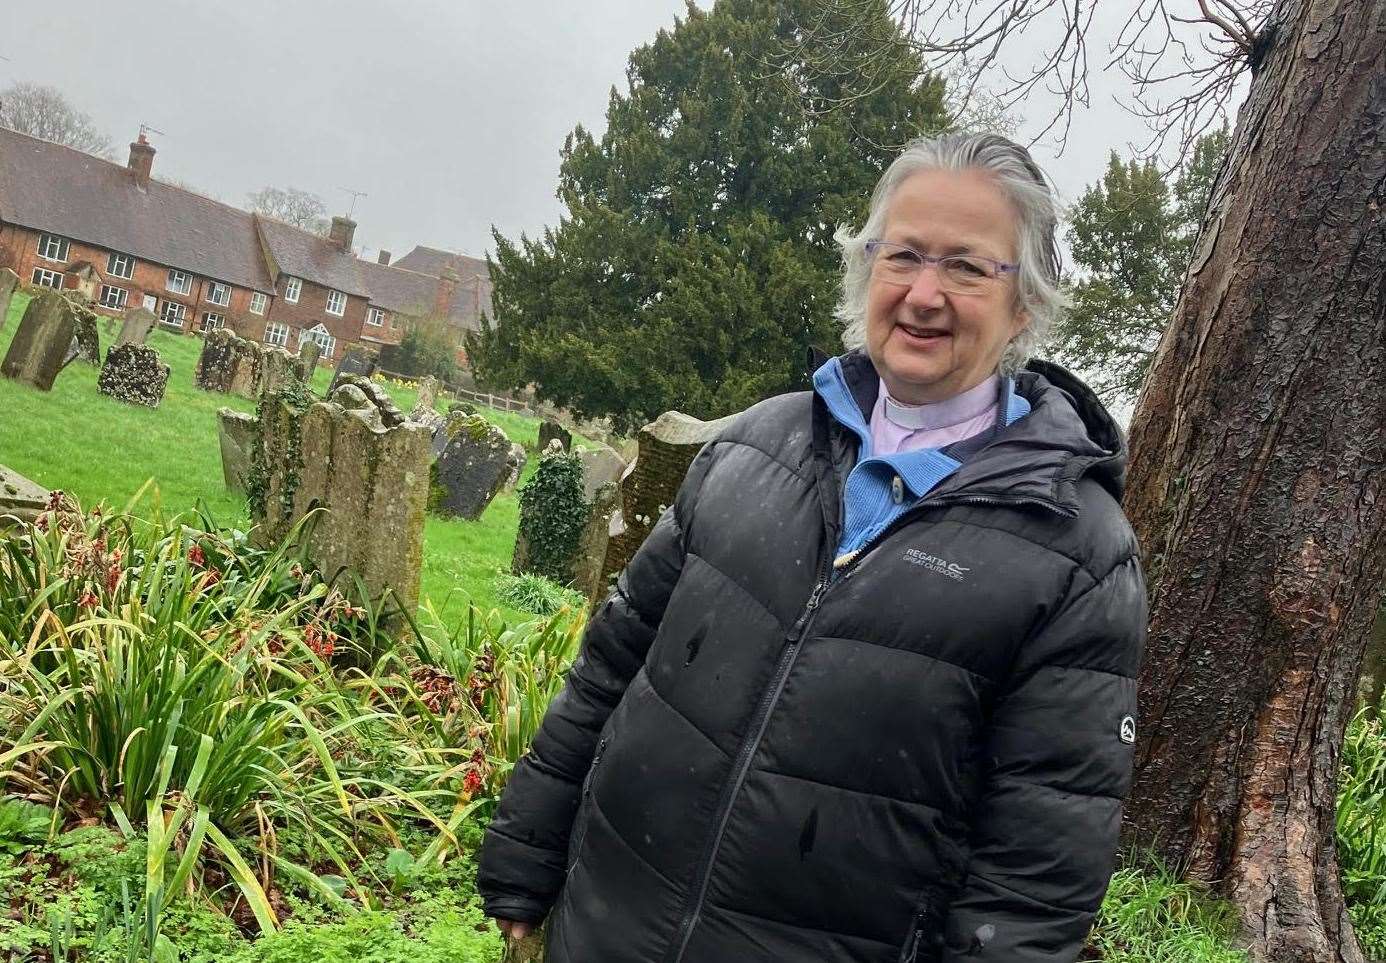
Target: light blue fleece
872 498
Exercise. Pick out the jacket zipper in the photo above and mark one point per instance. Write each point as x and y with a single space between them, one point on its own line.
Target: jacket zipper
761 720
755 732
910 952
587 791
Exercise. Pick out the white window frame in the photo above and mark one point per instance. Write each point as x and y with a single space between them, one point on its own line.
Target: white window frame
173 314
336 303
213 322
120 266
179 282
323 337
53 248
276 334
113 297
48 279
293 287
215 288
258 301
375 318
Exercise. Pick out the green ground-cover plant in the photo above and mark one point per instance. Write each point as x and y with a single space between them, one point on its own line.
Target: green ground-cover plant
1361 829
1150 916
535 593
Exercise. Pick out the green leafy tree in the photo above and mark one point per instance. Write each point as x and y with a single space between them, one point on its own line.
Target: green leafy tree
428 347
695 265
1131 236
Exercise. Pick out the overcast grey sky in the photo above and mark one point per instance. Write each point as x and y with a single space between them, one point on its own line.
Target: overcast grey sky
449 114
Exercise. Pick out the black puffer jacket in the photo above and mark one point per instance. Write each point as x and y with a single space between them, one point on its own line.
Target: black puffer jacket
921 758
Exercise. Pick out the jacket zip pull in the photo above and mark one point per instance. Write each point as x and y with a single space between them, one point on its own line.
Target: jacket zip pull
816 597
911 951
596 758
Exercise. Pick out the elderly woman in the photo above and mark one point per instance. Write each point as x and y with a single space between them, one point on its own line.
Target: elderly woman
867 691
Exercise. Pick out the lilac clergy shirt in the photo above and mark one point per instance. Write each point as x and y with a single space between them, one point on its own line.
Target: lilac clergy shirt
897 427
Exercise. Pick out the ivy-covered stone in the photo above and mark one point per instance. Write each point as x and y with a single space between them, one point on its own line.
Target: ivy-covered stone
134 374
553 514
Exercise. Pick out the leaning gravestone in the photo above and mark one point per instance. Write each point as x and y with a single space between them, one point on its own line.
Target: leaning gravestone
549 430
40 349
473 465
668 446
367 466
356 361
136 327
20 499
309 351
86 343
238 434
134 374
8 282
600 467
229 364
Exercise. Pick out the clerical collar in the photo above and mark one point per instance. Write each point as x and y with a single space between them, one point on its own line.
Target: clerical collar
972 403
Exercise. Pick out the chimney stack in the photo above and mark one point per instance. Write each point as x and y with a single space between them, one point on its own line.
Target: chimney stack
447 282
141 160
342 233
384 258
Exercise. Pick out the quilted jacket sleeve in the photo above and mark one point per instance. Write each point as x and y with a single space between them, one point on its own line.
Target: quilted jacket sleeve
524 853
1045 836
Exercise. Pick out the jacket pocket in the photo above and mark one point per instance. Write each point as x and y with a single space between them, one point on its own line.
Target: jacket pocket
584 812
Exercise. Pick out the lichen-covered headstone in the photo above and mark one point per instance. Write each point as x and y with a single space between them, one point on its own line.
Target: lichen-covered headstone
356 361
428 392
668 446
133 373
20 498
8 282
549 430
277 369
516 462
136 326
238 434
596 534
39 350
473 465
309 351
367 466
600 467
229 364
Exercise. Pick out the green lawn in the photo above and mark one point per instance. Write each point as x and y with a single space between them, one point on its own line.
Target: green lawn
83 442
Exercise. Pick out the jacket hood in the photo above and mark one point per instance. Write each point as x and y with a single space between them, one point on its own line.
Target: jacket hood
1067 435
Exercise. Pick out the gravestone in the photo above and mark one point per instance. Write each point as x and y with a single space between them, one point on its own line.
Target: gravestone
20 499
600 467
40 349
549 430
133 373
356 361
560 479
473 465
8 282
309 351
428 393
136 327
668 446
238 434
516 463
277 369
229 364
367 466
596 535
86 343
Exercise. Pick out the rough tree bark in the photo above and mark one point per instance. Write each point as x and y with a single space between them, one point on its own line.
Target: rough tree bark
1256 487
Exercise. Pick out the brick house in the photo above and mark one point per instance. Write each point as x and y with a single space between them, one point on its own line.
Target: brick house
68 219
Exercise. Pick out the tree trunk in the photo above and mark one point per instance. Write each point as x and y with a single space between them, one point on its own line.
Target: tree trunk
1256 488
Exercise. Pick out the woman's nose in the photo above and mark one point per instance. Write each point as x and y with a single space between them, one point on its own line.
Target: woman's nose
925 292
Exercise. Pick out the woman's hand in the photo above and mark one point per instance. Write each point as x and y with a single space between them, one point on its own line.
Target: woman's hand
514 929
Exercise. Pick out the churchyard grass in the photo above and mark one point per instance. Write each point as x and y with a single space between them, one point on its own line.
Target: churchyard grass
78 440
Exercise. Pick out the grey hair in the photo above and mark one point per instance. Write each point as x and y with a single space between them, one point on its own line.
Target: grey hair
1022 183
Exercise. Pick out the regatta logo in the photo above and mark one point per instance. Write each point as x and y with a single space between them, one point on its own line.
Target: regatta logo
939 566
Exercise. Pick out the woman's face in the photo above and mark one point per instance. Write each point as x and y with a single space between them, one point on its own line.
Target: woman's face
926 343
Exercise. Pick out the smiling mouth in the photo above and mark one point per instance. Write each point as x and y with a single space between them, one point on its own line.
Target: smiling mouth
923 334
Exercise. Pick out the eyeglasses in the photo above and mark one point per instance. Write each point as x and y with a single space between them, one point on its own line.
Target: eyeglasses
957 273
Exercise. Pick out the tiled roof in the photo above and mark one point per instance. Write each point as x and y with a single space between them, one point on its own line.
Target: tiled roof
401 291
430 260
312 257
48 187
